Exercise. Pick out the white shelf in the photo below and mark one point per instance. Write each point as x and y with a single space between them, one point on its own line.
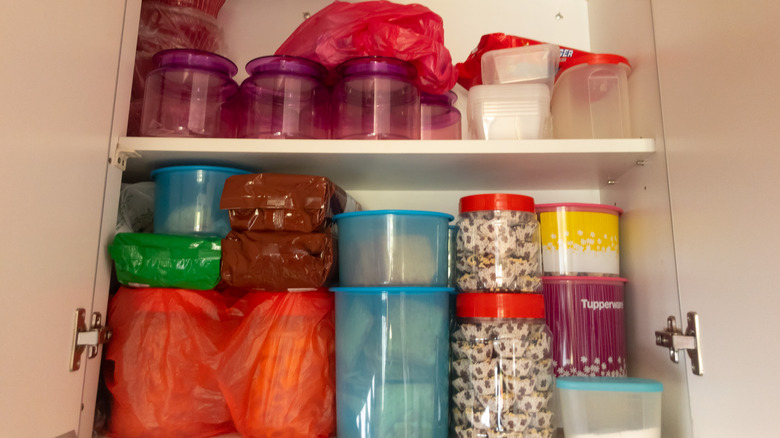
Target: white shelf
402 164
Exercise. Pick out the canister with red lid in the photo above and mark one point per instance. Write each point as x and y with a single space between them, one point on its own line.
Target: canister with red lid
498 244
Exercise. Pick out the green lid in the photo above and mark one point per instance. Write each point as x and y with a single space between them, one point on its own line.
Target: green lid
613 384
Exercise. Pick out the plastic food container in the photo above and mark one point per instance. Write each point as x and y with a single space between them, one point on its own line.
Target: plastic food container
393 248
186 200
580 239
186 94
509 111
376 99
284 97
440 119
610 407
392 360
536 63
498 245
587 320
590 98
502 376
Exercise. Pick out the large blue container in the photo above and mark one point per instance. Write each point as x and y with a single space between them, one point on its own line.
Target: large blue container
392 361
186 200
393 248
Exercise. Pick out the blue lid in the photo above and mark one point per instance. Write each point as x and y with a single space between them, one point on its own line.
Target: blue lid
613 384
393 289
191 168
393 212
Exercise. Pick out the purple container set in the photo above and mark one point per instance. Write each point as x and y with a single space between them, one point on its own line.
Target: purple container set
192 93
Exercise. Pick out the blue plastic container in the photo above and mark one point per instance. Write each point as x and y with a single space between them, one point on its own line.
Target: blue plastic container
186 200
392 361
393 248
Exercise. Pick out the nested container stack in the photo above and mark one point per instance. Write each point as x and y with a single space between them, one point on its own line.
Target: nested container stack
392 324
501 376
584 294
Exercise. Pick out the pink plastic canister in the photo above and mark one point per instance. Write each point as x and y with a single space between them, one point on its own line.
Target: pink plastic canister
440 119
284 97
185 95
375 98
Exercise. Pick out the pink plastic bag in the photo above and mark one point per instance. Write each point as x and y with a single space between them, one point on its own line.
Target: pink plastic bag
342 31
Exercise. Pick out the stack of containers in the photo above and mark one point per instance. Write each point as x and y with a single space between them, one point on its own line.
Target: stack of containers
392 324
513 101
502 379
583 289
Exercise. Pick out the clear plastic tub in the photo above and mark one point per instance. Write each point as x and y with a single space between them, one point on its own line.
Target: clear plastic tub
590 98
608 407
186 200
284 97
509 111
392 361
536 63
393 248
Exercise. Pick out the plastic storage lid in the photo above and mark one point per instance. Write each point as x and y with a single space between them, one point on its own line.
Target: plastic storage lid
195 59
593 59
499 305
392 289
448 98
285 64
496 201
579 206
376 65
231 170
583 279
611 384
392 212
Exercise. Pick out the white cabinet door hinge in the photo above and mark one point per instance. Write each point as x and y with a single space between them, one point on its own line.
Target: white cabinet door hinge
675 340
88 339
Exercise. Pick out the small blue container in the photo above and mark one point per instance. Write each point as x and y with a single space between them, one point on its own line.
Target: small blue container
392 361
186 200
393 248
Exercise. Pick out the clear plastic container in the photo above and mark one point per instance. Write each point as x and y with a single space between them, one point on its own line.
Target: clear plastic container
393 248
186 200
590 98
597 303
502 379
509 111
184 96
498 244
580 239
376 98
535 63
440 119
392 361
608 407
284 97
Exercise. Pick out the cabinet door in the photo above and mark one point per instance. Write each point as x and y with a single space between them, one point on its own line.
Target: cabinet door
58 84
721 105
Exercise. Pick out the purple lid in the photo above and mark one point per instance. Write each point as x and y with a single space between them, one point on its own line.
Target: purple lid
376 65
448 98
195 59
285 64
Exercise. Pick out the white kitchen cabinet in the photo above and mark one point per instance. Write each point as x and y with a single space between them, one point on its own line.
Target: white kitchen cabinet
704 111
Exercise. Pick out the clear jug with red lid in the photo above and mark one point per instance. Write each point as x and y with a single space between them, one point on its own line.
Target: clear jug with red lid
185 95
375 98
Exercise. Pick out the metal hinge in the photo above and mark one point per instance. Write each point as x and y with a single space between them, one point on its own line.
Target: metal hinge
87 339
675 340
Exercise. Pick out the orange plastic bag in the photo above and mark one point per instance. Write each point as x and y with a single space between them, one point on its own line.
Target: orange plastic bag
161 361
342 30
278 371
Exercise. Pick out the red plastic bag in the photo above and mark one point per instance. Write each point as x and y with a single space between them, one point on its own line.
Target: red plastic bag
278 371
470 71
161 362
344 30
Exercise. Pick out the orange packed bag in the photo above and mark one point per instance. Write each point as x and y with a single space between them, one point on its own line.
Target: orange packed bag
278 371
161 361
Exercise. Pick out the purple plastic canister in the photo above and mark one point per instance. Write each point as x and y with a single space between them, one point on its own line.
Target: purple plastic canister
284 97
185 95
440 119
375 98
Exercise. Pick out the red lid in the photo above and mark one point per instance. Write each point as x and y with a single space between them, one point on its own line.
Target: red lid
593 58
496 201
499 305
